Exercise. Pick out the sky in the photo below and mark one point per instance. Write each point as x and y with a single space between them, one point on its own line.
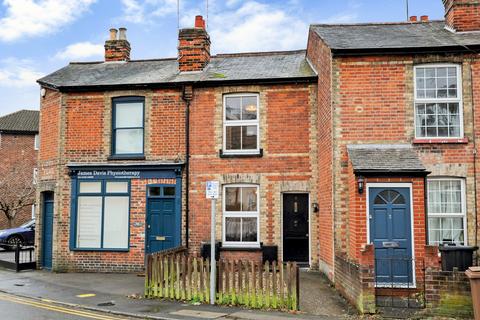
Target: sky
38 37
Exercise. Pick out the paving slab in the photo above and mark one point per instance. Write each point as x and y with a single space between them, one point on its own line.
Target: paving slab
122 294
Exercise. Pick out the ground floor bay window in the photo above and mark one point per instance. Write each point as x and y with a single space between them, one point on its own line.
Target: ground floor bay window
446 211
102 215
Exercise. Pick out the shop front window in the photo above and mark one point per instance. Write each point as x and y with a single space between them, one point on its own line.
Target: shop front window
103 215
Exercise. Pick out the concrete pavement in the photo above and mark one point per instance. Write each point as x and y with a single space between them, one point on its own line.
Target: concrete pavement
121 294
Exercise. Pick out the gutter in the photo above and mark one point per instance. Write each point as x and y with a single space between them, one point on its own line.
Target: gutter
405 50
198 83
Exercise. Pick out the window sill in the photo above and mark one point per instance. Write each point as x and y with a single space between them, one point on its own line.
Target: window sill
240 155
441 141
126 157
253 248
103 250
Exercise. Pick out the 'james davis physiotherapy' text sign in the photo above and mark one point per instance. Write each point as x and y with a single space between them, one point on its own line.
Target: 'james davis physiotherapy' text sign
125 174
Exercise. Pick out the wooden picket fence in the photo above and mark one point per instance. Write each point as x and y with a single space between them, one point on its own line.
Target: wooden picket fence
175 275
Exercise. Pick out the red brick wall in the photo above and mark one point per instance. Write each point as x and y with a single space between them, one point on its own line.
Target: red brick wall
81 132
84 122
18 153
373 99
462 15
285 131
320 57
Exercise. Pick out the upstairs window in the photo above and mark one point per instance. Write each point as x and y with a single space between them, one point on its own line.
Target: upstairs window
128 126
438 102
241 129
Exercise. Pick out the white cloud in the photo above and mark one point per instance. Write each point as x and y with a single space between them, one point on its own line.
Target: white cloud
80 50
255 26
32 18
18 73
145 11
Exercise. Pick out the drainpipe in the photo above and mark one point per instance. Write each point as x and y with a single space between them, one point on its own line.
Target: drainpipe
425 208
187 97
474 158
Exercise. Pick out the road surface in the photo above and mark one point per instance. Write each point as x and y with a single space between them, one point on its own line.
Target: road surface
19 308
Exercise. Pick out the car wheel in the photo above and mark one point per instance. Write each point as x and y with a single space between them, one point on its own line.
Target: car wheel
14 241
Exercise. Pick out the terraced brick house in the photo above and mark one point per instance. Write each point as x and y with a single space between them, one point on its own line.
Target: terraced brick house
128 145
398 129
344 157
19 144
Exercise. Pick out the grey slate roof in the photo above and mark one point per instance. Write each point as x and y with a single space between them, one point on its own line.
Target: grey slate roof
222 68
384 158
406 35
23 121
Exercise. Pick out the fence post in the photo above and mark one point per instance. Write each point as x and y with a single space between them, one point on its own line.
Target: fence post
17 258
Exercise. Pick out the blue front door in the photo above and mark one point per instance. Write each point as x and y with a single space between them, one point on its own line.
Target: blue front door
162 232
390 232
47 236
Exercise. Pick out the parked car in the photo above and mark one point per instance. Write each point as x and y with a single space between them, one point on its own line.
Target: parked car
23 236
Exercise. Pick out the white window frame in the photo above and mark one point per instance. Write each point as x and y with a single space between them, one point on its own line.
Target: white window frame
458 99
235 123
450 215
36 142
240 214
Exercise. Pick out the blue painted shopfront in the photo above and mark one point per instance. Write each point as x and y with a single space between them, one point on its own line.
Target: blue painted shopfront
98 219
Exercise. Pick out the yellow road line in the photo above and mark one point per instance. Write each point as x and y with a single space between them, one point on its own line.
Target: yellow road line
45 306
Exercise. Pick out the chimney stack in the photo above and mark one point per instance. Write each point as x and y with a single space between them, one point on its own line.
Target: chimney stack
424 18
462 15
413 19
117 48
193 47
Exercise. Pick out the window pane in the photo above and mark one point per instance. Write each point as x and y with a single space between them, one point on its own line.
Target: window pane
129 141
249 199
169 191
116 223
249 137
90 187
249 108
232 108
233 138
154 191
89 222
117 187
232 199
249 229
232 229
128 115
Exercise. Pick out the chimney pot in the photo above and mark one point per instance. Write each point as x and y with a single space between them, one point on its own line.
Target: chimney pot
113 34
424 18
413 19
193 47
117 49
199 22
122 34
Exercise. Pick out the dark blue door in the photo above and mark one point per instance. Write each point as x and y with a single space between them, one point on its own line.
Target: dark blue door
162 232
47 236
390 232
